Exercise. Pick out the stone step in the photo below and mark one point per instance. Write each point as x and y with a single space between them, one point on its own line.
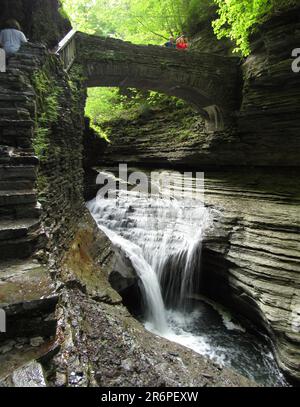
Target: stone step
12 82
14 113
16 160
24 373
22 197
17 140
20 172
8 150
19 248
16 103
18 228
21 66
16 185
11 156
22 281
28 298
32 210
16 133
15 123
13 97
6 93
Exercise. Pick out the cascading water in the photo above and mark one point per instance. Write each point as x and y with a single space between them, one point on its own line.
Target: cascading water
153 297
162 236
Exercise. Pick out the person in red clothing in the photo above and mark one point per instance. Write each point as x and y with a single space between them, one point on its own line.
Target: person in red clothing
182 43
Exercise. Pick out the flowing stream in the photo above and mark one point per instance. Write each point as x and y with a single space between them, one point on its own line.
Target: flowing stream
161 233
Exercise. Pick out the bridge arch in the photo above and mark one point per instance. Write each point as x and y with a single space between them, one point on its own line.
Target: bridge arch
207 81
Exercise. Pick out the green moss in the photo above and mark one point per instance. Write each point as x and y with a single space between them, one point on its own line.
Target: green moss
42 186
48 94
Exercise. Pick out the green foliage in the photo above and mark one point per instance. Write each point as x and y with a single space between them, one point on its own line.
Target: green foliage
108 104
63 12
146 21
48 104
239 18
152 22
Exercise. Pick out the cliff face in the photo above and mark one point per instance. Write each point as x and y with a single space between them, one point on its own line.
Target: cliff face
39 19
251 260
269 120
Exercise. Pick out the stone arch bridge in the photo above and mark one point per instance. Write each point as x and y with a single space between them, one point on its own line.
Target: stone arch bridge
209 82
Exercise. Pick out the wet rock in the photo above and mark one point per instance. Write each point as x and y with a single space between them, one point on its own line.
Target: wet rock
34 342
30 375
92 349
60 379
251 259
7 347
127 365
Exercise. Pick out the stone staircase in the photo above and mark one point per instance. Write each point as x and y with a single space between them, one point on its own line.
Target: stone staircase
26 290
19 208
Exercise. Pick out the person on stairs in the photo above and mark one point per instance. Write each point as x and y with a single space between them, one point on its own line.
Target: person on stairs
11 37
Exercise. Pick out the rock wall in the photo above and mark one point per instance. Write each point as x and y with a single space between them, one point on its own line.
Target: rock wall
269 120
74 324
169 136
251 259
59 145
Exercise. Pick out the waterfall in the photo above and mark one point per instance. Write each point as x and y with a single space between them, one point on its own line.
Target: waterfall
162 238
148 277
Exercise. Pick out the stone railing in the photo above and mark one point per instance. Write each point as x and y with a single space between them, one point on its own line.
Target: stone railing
67 50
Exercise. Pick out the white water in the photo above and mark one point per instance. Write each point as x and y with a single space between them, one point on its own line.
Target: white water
162 238
159 235
153 297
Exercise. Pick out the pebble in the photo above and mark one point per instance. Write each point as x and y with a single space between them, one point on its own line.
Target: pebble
35 342
207 376
61 379
127 365
6 348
